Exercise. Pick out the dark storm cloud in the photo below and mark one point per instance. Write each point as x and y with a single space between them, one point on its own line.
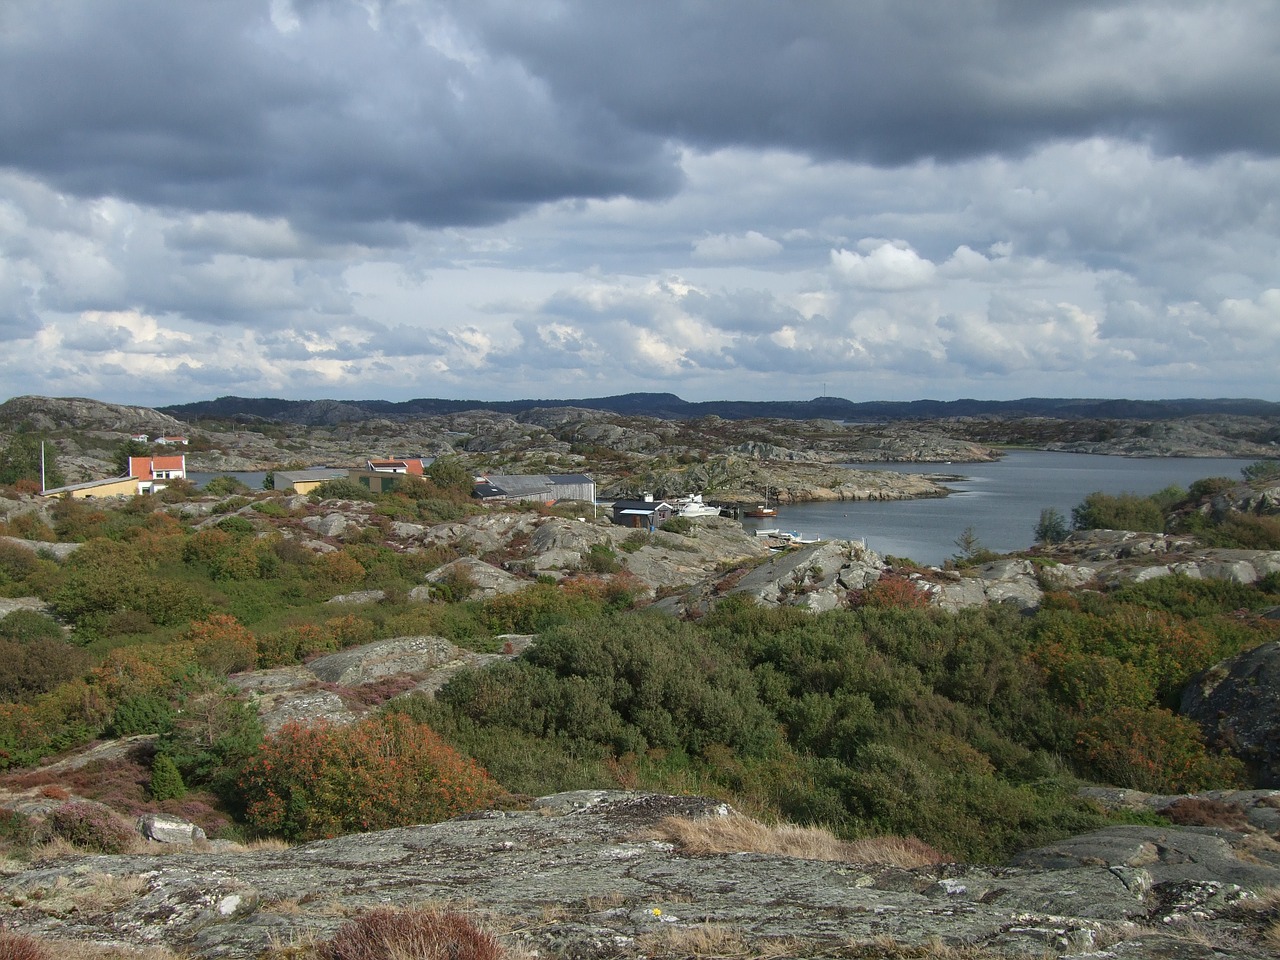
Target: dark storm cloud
351 115
891 82
341 120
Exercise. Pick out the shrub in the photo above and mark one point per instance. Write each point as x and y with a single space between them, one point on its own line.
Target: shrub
1207 812
235 525
423 934
1052 527
341 489
221 645
1125 511
1152 750
293 645
28 625
214 734
309 782
16 831
38 666
141 713
166 780
91 826
680 525
15 946
601 559
224 486
339 568
893 592
1262 470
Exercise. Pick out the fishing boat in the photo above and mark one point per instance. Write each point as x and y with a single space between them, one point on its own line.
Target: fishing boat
762 511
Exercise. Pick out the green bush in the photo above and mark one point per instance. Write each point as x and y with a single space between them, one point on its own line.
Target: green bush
141 713
37 666
601 559
28 625
235 525
1262 470
224 485
166 780
679 525
634 541
1052 527
341 489
1125 511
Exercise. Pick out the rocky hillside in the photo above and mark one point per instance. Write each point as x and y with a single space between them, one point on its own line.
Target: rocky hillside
597 874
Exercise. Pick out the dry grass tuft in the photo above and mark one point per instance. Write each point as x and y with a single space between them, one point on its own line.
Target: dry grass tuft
697 940
73 950
86 893
1271 936
421 934
741 834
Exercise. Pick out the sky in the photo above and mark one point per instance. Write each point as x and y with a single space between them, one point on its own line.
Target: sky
558 199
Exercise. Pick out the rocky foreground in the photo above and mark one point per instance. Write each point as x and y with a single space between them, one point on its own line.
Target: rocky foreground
584 875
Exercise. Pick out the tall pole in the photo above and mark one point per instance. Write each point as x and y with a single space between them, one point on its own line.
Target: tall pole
42 487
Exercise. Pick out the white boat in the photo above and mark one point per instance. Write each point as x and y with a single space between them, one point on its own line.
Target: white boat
694 507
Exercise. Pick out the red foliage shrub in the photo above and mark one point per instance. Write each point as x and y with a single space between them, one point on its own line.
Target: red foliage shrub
14 946
91 827
1206 812
309 782
384 934
892 591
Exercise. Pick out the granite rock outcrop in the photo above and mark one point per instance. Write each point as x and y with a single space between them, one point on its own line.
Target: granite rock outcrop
588 875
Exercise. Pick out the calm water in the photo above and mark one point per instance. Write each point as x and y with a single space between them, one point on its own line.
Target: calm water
1001 501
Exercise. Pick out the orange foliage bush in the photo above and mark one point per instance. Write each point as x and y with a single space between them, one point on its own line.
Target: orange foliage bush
1153 750
221 644
339 568
893 591
310 782
293 645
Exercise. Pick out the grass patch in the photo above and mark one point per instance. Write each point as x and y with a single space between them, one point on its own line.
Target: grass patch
736 833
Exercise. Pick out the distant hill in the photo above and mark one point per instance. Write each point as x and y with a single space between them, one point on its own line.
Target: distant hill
668 406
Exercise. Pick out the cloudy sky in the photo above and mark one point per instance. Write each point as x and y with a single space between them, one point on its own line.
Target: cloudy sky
873 199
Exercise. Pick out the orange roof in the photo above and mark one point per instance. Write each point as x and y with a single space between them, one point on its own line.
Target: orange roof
144 468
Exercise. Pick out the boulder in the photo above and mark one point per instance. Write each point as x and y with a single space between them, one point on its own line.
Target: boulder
1237 704
486 579
385 658
163 828
330 525
359 596
59 551
1009 581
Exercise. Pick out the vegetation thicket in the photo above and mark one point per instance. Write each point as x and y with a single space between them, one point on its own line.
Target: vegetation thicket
969 731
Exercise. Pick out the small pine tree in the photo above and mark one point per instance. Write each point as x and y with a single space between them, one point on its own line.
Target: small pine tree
166 779
1052 527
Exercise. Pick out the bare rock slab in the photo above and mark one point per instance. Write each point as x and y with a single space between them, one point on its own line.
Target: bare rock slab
579 876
